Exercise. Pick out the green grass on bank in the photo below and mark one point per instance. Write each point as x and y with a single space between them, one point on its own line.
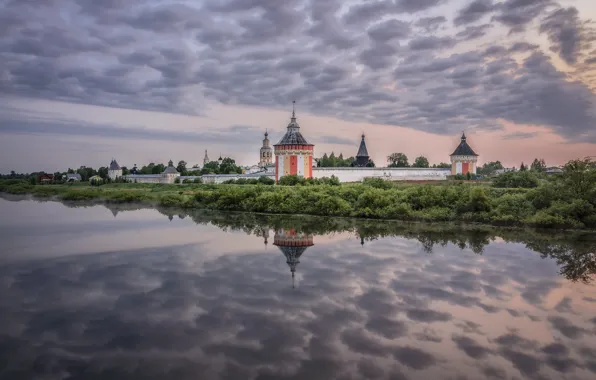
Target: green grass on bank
553 203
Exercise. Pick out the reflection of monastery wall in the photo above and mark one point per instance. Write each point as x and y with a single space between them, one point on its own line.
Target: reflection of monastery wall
394 174
150 178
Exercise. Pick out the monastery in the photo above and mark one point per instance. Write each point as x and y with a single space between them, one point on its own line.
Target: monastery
293 155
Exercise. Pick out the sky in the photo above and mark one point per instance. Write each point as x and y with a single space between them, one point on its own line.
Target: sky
83 81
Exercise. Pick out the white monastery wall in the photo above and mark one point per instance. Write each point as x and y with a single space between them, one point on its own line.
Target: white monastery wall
392 174
150 178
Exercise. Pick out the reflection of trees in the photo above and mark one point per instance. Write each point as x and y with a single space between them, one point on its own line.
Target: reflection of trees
574 251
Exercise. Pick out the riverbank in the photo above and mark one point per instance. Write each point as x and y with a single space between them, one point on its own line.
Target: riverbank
547 206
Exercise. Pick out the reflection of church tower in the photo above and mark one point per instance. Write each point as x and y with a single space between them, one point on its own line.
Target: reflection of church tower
292 244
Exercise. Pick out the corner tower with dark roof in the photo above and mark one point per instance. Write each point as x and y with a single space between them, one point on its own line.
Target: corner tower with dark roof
114 170
463 159
362 157
293 154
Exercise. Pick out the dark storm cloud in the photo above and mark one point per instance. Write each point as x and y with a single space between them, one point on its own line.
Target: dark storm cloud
520 135
517 14
336 60
431 24
565 327
474 12
388 30
474 31
470 347
568 34
47 127
369 11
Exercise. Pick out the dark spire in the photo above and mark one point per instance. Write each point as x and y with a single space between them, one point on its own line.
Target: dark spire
170 163
293 110
463 149
362 151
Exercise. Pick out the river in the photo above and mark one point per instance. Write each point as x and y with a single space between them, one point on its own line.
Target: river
126 292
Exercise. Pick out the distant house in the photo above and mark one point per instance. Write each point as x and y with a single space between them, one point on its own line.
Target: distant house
504 170
72 177
45 178
553 170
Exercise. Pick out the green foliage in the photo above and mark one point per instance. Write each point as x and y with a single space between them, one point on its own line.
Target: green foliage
522 167
489 168
334 162
580 176
565 201
538 165
420 162
177 180
197 180
186 181
523 179
378 183
397 160
263 180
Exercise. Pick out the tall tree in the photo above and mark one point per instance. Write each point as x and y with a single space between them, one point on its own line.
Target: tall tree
181 167
420 162
522 167
103 172
538 165
125 171
398 160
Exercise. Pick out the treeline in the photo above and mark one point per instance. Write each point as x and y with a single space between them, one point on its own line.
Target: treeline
490 168
400 160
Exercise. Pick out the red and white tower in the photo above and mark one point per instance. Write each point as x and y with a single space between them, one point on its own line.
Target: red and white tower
463 159
293 154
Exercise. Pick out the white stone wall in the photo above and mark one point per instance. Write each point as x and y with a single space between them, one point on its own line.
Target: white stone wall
113 174
393 174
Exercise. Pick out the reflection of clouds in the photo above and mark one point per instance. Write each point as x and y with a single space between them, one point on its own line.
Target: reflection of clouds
388 311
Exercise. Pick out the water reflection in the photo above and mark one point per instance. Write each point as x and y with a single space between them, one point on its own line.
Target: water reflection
413 302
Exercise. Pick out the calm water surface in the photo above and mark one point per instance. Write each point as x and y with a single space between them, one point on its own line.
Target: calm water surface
109 293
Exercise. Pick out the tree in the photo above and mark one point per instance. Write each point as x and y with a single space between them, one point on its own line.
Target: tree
13 173
181 167
125 171
522 167
228 166
489 168
332 160
538 165
420 162
103 172
442 165
398 160
580 176
211 167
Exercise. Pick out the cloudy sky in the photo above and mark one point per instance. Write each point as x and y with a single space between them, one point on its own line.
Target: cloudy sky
150 80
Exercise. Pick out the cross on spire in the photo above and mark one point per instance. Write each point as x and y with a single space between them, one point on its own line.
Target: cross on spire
293 109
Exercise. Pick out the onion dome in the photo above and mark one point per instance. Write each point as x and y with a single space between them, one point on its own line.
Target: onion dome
463 149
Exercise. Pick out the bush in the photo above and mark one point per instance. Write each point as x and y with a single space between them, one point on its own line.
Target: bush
478 201
186 181
266 180
177 180
291 180
525 179
378 183
197 181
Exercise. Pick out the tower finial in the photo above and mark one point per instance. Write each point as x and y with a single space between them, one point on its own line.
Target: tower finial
292 279
293 109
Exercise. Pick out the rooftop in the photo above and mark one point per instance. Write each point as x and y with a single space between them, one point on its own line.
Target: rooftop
362 151
293 135
114 165
463 149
